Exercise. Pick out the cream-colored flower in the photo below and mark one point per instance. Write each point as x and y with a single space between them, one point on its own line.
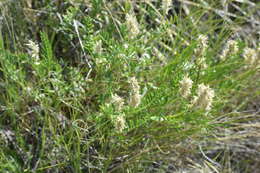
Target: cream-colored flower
166 5
201 61
185 86
231 48
200 51
120 123
250 56
135 96
204 97
118 102
203 40
132 25
134 84
33 49
202 45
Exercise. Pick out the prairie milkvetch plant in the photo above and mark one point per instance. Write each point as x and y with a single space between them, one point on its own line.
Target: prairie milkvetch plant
250 56
132 25
80 83
231 48
185 87
135 96
204 97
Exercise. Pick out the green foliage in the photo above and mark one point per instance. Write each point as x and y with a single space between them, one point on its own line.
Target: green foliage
98 97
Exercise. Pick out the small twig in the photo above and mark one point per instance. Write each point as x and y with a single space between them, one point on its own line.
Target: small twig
80 42
206 157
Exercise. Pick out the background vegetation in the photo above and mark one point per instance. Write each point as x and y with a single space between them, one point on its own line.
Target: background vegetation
129 86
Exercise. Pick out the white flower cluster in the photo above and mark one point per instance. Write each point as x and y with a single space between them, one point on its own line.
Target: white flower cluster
166 5
231 48
119 120
204 97
120 123
185 86
132 25
118 102
202 45
200 51
250 56
135 96
33 50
